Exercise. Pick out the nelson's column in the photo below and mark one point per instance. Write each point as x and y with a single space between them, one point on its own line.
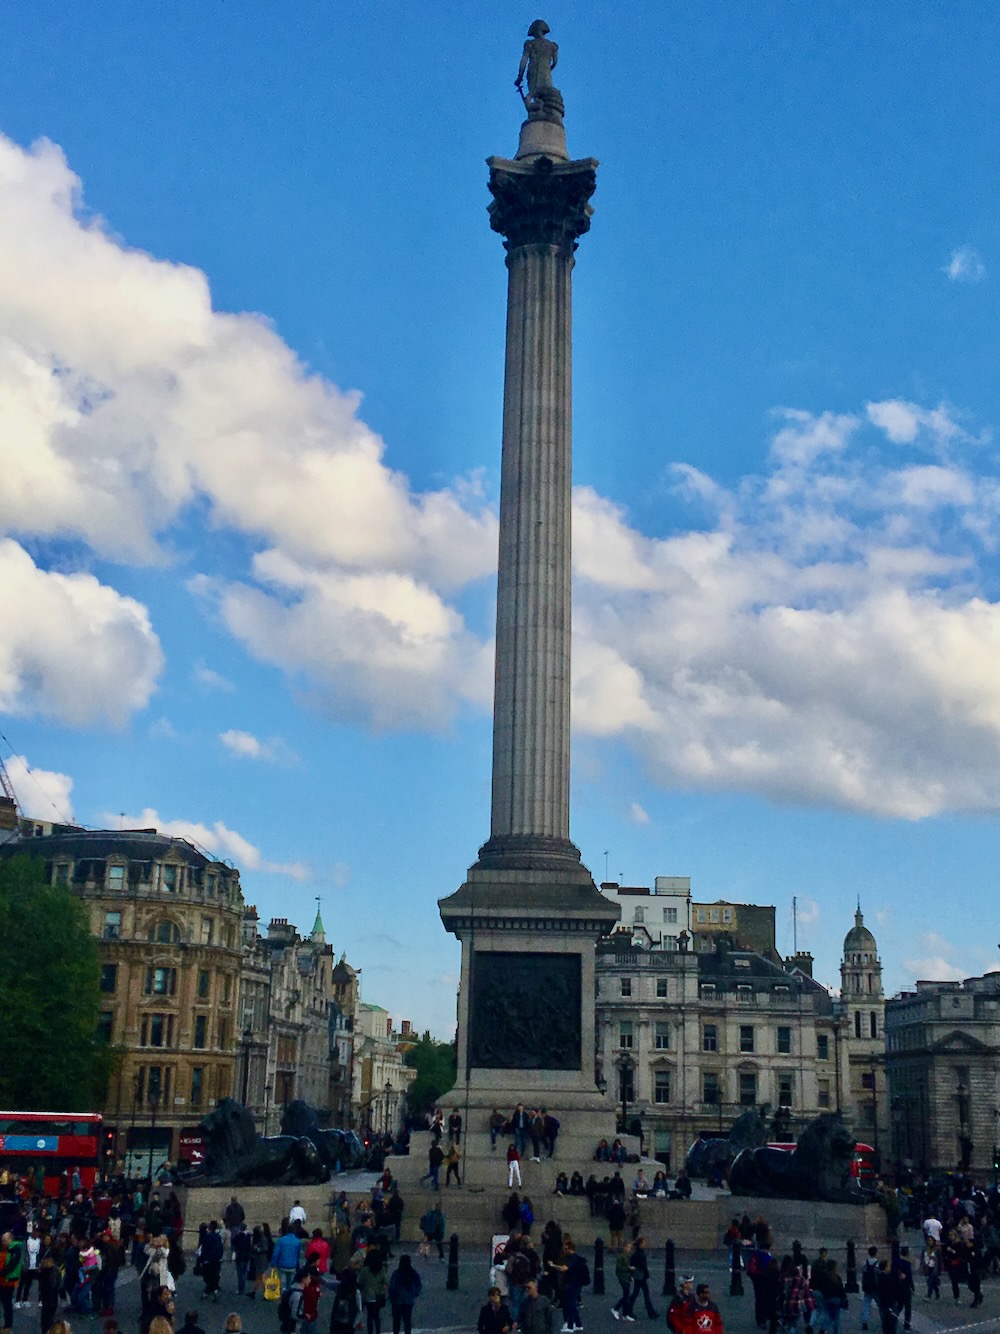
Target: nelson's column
529 914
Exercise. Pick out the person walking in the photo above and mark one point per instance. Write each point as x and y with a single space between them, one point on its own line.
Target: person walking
623 1273
345 1308
404 1289
513 1166
372 1286
535 1316
452 1161
834 1298
212 1252
496 1124
930 1267
495 1316
576 1277
435 1157
287 1256
640 1281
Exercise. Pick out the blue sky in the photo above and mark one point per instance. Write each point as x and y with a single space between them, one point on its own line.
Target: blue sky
251 341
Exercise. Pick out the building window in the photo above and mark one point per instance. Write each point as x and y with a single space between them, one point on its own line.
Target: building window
207 930
746 1037
662 1036
727 915
661 988
670 915
744 995
710 1089
200 1030
154 1083
713 914
105 1026
210 882
873 1025
661 1147
661 1086
748 1090
161 982
203 983
784 1090
857 1023
116 877
168 878
784 1041
165 933
625 1034
197 1084
639 916
823 1092
710 1037
62 873
626 986
109 978
822 1047
227 988
700 915
112 925
157 1030
223 1033
868 1079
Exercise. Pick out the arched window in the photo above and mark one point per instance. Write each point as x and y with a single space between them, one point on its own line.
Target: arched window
873 1024
857 1023
165 933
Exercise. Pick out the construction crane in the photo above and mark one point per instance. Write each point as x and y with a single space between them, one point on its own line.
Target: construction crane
9 809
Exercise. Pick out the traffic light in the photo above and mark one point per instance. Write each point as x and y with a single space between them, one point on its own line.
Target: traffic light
109 1144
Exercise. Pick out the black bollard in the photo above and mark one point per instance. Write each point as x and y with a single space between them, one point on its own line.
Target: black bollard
736 1272
451 1283
597 1287
851 1283
669 1272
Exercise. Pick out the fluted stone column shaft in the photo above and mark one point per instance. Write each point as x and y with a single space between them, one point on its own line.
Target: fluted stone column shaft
531 738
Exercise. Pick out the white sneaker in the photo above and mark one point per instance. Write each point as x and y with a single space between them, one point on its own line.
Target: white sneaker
630 1319
566 1329
617 1315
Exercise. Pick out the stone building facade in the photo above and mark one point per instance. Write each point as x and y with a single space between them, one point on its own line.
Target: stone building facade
199 1002
168 918
381 1076
688 1040
943 1057
700 1019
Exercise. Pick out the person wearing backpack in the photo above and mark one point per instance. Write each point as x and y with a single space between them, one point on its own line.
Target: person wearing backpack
869 1284
290 1308
576 1277
372 1286
404 1289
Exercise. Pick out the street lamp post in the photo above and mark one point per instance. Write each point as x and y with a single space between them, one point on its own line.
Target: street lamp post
875 1146
626 1066
389 1091
153 1096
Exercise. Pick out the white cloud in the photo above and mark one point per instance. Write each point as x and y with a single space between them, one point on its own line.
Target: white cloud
244 745
164 730
217 839
902 421
42 794
638 814
71 648
209 679
933 968
127 398
965 265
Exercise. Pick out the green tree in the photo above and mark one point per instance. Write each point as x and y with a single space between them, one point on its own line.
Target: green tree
53 1058
434 1063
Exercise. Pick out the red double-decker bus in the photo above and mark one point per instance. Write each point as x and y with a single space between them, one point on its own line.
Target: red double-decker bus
48 1147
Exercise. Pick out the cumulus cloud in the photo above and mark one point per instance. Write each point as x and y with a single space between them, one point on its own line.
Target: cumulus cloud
128 399
826 642
209 679
217 839
42 794
965 266
245 746
638 814
71 648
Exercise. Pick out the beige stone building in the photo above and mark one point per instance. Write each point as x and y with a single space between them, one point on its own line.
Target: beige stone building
381 1076
168 918
700 1019
943 1055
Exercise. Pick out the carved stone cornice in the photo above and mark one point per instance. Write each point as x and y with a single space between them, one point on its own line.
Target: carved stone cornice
541 202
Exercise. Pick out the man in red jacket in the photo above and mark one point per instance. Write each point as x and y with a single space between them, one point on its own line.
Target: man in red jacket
703 1315
677 1311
